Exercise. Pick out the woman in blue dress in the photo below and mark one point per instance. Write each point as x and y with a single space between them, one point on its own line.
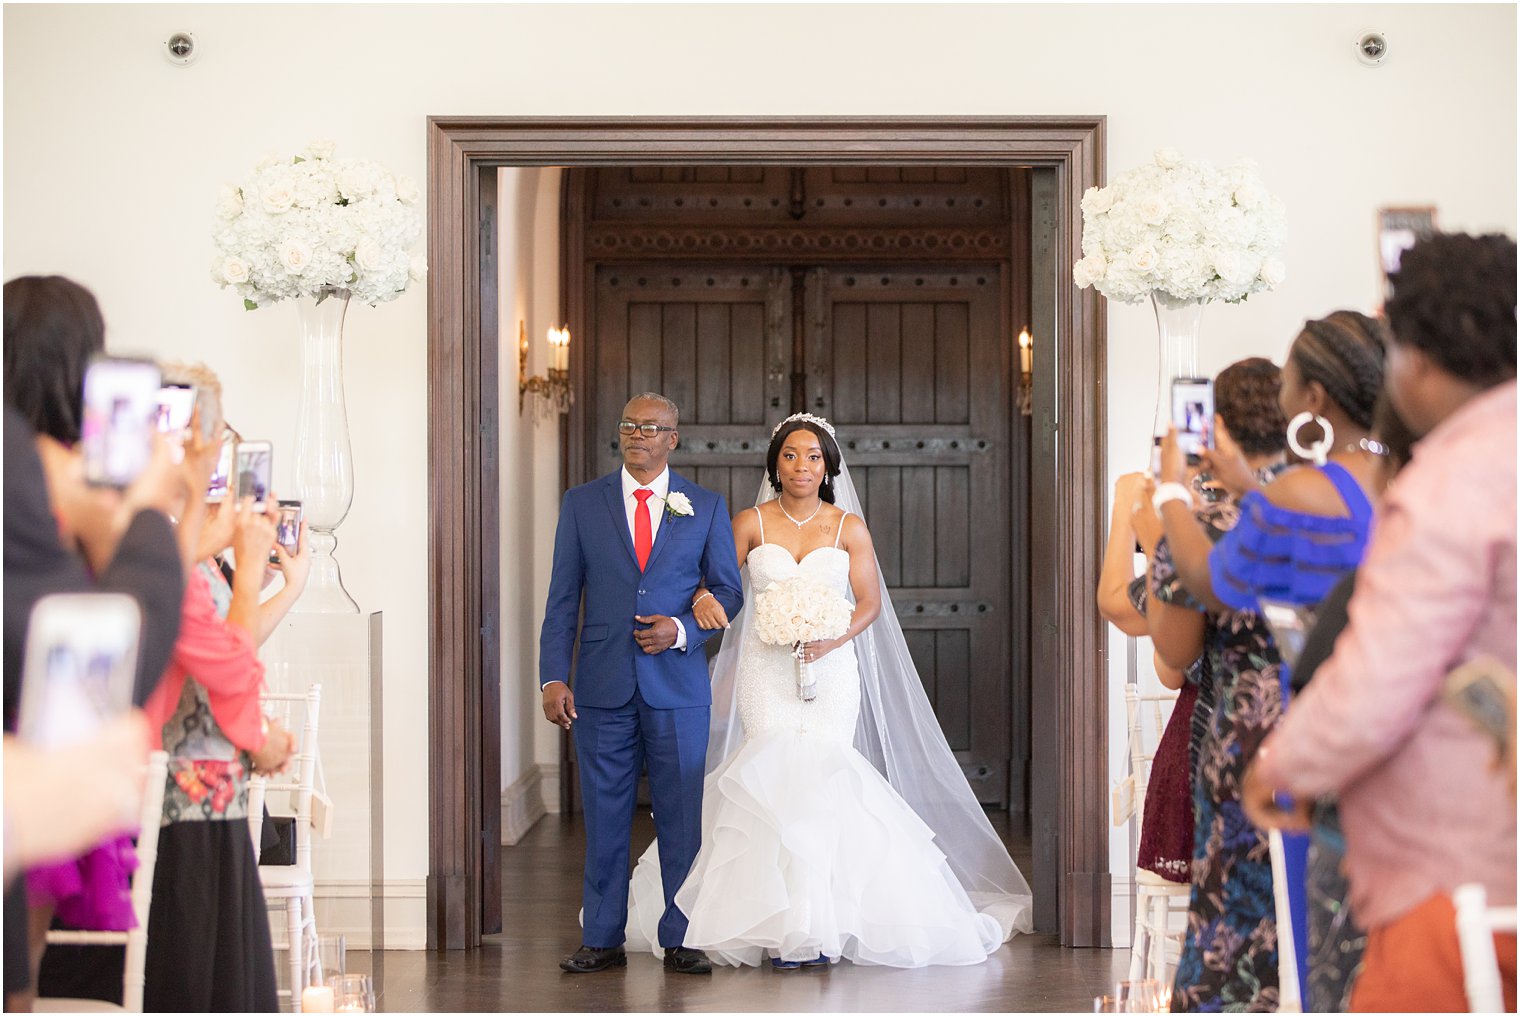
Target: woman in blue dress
1291 543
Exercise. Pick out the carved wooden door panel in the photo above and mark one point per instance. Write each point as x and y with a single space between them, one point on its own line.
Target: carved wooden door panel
909 364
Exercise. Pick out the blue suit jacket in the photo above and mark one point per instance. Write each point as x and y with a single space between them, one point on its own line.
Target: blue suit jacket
594 563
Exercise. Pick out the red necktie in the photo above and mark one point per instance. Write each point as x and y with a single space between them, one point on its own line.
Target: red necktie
643 529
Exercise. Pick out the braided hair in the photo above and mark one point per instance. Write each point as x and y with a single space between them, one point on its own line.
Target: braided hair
1344 353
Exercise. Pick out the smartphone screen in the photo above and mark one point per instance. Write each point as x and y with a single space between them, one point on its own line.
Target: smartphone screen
288 530
255 460
80 666
120 415
221 476
1193 414
175 404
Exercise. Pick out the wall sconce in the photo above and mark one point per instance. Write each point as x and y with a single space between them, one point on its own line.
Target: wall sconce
552 392
1026 374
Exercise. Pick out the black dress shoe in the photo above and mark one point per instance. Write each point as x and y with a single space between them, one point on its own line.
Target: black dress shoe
682 960
588 960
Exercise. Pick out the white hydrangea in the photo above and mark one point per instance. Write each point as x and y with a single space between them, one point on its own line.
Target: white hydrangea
1184 231
311 224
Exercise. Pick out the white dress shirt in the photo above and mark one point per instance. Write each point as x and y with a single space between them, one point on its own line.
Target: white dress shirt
661 487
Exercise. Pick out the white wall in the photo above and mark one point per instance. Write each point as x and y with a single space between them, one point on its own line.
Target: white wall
113 157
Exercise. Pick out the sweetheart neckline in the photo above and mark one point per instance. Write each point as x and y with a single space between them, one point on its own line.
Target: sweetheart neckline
796 561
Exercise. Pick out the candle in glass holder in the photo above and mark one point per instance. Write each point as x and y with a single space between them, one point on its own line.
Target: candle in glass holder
317 998
1026 352
559 344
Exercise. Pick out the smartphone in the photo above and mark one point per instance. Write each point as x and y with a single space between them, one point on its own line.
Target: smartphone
288 531
254 466
120 417
176 403
1193 415
221 476
80 666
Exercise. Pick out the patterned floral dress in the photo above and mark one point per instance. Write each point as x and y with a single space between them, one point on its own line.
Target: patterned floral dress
1229 956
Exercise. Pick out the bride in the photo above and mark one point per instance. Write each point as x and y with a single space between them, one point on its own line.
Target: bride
838 827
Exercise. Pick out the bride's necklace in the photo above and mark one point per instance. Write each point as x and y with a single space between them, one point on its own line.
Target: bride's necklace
805 521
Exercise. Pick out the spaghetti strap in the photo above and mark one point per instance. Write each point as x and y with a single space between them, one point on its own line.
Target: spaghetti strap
761 519
840 535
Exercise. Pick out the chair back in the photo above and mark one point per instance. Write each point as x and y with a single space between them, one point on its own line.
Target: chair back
1142 749
1476 924
299 779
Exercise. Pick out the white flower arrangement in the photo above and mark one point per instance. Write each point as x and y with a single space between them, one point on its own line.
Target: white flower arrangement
311 225
677 503
1183 231
800 610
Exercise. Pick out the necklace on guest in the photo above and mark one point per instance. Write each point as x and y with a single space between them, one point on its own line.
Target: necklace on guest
805 521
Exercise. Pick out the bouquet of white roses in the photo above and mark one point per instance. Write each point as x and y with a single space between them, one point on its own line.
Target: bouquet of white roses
311 225
799 610
1183 231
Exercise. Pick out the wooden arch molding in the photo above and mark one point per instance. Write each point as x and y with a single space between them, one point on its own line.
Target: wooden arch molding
1067 156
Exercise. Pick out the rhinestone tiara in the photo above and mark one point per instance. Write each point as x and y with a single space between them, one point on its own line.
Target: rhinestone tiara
808 418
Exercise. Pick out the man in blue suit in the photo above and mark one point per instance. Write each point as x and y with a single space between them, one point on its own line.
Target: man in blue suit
632 548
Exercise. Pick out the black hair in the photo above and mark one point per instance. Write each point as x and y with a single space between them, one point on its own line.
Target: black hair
1454 300
1344 353
1389 428
831 456
53 327
1245 396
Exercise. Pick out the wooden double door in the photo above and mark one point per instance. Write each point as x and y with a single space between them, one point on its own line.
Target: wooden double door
911 362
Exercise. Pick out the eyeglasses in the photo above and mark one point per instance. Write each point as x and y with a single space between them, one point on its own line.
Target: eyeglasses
627 427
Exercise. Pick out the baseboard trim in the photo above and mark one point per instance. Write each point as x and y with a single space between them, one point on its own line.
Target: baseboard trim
522 805
346 907
548 773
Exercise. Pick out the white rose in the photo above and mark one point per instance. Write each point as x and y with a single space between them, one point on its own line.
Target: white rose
1144 258
1228 265
235 270
295 255
322 149
354 183
1097 200
1249 194
418 269
1089 270
1273 272
278 198
369 255
229 202
1153 210
678 503
407 190
270 160
1168 158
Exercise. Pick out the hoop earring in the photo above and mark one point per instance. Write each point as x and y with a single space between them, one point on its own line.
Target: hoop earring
1320 450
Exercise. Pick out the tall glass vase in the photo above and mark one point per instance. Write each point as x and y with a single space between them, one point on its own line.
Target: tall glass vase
324 460
1177 326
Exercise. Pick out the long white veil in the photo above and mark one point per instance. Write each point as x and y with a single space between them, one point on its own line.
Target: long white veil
900 735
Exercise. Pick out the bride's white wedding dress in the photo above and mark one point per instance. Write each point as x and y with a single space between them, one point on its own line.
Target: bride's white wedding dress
806 849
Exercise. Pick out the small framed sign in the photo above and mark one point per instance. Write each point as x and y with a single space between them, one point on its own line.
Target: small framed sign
1397 231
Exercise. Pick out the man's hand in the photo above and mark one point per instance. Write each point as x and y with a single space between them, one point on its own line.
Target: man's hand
559 704
1259 802
279 745
658 637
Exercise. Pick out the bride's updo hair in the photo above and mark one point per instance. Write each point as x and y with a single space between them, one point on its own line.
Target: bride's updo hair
831 457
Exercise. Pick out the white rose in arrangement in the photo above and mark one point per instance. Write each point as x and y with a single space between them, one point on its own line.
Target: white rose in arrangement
304 225
1182 231
800 610
229 202
234 270
1273 272
677 503
295 255
407 191
1089 270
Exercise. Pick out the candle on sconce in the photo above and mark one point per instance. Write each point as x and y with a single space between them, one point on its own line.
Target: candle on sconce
559 345
1026 351
317 998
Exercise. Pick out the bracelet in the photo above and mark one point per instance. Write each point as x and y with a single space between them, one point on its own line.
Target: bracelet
1171 491
701 598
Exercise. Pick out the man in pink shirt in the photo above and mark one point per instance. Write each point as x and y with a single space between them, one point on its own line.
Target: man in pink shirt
1426 797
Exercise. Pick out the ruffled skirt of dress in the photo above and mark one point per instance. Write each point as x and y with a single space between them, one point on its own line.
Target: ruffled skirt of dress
807 850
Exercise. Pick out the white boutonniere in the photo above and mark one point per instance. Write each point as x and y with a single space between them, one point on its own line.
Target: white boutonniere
677 504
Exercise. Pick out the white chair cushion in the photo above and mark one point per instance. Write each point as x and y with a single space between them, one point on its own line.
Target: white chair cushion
1151 880
74 1005
289 881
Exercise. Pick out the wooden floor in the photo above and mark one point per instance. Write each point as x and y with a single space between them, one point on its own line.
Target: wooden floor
517 971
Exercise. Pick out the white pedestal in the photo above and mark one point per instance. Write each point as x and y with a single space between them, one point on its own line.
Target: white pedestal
343 654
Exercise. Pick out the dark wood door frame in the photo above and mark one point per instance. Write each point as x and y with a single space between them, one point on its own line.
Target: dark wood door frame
1067 155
